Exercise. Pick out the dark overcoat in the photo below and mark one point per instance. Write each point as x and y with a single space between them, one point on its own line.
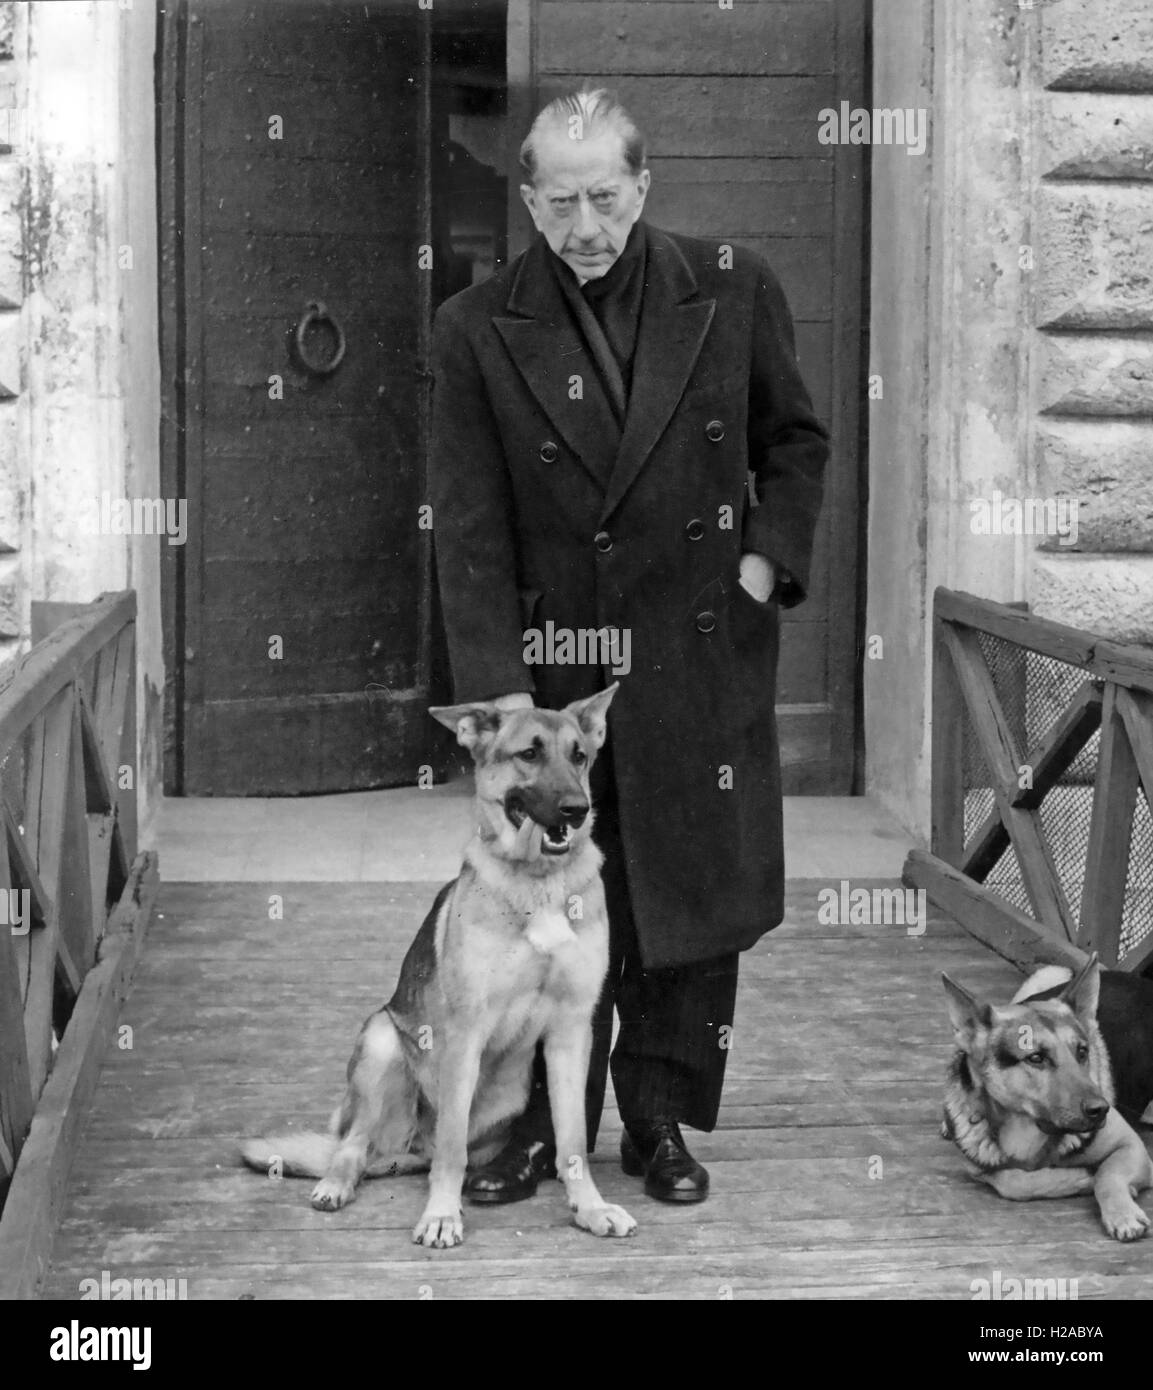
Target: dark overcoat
545 511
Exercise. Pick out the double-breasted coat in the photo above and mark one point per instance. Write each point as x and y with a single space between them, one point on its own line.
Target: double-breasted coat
546 511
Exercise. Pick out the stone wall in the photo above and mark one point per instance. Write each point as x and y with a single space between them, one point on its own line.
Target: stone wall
1012 303
1094 312
15 478
79 354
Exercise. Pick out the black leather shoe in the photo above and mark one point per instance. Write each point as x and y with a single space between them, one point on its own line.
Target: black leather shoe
657 1152
513 1174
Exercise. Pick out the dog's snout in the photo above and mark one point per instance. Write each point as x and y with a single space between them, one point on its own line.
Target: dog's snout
1095 1109
573 811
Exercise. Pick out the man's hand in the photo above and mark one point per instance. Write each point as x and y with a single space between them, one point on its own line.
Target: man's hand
758 576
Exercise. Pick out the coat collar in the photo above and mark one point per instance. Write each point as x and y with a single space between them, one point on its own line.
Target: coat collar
674 321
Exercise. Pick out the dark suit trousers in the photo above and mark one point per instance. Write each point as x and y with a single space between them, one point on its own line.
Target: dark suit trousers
675 1024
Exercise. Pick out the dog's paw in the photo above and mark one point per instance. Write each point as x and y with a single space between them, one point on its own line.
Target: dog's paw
1124 1221
330 1195
439 1230
604 1221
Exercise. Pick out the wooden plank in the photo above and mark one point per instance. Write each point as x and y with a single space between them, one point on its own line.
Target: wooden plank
1110 831
21 867
1127 664
947 771
170 110
48 614
661 38
31 1214
743 197
74 902
44 671
846 483
766 117
290 260
1038 871
98 793
1049 759
988 917
51 734
1136 711
125 753
284 192
16 1099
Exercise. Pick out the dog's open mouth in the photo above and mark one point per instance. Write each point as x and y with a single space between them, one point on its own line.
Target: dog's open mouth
555 839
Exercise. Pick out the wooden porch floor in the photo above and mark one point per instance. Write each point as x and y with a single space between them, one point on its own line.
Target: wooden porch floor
829 1178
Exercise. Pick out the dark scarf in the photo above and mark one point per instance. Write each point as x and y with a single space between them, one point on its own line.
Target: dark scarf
608 311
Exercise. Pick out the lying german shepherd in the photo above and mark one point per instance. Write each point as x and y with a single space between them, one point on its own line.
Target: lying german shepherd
1030 1099
513 951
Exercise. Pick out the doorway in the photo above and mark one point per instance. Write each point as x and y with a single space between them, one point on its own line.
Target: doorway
330 172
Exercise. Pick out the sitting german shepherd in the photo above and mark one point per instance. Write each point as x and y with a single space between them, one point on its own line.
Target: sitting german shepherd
512 951
1030 1098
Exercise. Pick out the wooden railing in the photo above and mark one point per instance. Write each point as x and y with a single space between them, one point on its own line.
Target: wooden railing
67 837
1042 783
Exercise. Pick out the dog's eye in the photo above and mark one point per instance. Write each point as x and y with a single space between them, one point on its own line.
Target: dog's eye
579 756
1036 1059
528 754
1082 1052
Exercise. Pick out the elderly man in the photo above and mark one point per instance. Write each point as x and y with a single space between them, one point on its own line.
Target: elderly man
599 406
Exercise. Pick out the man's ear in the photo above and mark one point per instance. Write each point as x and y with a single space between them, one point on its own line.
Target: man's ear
470 723
591 714
1083 990
965 1013
528 197
644 178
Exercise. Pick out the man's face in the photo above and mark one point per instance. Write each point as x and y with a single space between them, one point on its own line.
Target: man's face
584 201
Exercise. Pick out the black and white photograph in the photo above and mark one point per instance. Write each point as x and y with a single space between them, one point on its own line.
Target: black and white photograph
576 663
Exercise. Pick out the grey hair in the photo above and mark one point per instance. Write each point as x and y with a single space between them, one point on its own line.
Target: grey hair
596 108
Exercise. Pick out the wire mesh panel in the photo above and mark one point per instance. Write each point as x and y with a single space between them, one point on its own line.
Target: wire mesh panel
1137 912
1033 691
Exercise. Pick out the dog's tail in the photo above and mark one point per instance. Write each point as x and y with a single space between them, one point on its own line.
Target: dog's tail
301 1155
1049 980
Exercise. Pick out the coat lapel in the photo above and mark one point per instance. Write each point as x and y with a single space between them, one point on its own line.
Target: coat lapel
672 329
548 351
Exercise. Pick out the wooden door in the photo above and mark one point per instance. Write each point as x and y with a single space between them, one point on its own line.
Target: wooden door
729 99
295 160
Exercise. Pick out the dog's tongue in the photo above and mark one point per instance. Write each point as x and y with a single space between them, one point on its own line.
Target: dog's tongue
527 842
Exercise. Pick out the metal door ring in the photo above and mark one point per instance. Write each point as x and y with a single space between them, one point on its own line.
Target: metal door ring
316 313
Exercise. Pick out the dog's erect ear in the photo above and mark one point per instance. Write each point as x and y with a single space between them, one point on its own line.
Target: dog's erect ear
965 1013
470 723
591 713
1082 991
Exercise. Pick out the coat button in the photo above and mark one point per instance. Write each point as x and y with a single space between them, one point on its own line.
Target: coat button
695 530
603 542
715 431
706 621
549 452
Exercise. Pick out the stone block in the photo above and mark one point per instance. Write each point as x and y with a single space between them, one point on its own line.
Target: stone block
1094 258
